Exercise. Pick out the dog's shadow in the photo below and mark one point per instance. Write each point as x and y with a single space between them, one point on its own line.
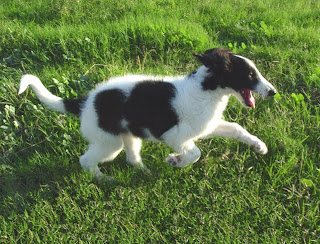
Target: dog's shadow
28 177
34 176
123 174
43 176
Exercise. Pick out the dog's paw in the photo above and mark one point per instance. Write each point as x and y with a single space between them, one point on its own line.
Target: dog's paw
143 168
260 147
174 159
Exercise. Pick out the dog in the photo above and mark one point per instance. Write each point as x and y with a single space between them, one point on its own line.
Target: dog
178 111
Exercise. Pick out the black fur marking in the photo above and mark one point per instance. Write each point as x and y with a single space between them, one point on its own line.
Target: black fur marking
242 75
109 105
74 106
149 107
227 70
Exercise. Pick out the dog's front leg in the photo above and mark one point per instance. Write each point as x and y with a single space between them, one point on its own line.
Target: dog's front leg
235 131
187 153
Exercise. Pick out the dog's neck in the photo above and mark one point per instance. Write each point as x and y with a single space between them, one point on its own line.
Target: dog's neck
198 77
201 73
193 87
205 106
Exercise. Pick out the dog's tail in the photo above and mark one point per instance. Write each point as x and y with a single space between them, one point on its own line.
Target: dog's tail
48 99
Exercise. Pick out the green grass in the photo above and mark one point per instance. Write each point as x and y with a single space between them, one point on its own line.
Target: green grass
230 195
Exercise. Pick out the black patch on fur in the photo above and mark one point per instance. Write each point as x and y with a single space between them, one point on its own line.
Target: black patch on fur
227 70
149 107
242 75
74 106
109 105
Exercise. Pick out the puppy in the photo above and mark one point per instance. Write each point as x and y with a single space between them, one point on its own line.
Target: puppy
118 113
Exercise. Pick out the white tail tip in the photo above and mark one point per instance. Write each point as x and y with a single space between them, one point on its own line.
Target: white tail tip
47 98
25 81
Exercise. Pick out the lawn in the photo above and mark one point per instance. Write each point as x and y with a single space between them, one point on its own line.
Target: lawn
231 195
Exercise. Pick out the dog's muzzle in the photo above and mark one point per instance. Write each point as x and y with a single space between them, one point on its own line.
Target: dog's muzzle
265 88
271 93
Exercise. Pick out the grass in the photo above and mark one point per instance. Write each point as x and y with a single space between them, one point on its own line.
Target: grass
230 195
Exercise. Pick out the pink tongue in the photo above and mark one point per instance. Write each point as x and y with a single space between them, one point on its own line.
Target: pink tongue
249 99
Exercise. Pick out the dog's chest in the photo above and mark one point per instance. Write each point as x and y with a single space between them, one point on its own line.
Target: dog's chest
206 124
202 116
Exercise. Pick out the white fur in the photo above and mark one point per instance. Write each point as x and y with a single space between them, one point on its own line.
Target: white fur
199 112
51 101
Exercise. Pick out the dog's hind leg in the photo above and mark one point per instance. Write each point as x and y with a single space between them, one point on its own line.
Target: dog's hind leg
132 146
100 152
187 153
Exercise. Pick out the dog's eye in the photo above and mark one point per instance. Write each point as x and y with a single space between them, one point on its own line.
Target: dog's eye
252 75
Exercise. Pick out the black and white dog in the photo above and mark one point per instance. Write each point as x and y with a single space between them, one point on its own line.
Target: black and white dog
119 113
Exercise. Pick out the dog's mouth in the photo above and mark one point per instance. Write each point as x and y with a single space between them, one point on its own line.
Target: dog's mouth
248 97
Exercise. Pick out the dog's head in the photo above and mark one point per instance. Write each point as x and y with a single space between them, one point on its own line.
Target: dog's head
228 70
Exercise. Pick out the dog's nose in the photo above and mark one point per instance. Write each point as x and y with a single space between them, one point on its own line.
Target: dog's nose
271 93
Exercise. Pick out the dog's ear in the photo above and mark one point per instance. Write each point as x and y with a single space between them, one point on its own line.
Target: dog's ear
203 58
216 59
